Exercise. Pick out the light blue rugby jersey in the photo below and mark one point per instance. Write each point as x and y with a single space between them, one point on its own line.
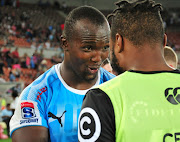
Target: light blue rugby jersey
51 103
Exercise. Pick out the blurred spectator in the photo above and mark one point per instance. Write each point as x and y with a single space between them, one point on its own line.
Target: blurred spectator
15 55
18 88
43 65
1 65
51 37
25 61
15 98
33 45
34 60
40 46
12 77
28 60
40 57
48 44
5 49
55 59
2 80
9 59
6 115
2 103
16 66
17 72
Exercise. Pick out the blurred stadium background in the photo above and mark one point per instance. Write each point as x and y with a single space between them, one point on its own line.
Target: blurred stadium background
30 33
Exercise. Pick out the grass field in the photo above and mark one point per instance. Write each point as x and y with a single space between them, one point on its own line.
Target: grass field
7 140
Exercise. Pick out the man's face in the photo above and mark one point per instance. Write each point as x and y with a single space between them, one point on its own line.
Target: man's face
8 107
117 68
88 48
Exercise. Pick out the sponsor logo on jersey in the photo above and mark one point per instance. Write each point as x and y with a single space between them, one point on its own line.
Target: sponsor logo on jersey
29 121
27 110
42 90
50 114
174 137
173 95
89 128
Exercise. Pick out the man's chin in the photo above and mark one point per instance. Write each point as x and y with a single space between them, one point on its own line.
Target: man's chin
91 77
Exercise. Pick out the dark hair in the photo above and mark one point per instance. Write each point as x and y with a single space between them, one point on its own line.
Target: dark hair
14 94
82 12
138 21
8 105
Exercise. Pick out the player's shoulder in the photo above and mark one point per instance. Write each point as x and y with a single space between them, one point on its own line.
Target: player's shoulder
42 83
46 78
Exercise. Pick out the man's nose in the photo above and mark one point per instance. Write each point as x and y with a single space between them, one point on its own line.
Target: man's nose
97 56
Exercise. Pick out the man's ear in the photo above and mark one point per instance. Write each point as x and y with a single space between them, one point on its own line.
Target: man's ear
119 42
165 40
64 43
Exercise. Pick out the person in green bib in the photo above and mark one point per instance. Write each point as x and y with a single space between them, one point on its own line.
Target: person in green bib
142 104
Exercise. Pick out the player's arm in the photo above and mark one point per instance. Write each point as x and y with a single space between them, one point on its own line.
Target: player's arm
96 120
31 134
29 124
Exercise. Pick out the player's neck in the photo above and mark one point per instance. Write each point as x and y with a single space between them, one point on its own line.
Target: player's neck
149 61
74 80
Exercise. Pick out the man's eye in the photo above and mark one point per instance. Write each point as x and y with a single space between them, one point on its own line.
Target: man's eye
87 48
106 47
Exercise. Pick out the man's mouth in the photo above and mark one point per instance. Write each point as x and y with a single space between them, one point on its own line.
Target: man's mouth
93 69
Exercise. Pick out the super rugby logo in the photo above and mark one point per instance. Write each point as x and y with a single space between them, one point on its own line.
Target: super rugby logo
27 110
89 125
173 95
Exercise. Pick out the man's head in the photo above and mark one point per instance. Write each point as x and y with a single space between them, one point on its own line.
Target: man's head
170 57
14 94
85 41
8 107
84 12
138 22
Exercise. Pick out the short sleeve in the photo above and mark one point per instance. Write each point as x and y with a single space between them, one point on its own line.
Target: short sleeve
30 109
97 119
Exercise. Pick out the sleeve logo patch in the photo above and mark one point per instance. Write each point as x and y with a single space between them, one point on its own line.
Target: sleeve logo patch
27 110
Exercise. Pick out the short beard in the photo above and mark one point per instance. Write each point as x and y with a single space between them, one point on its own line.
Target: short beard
115 64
